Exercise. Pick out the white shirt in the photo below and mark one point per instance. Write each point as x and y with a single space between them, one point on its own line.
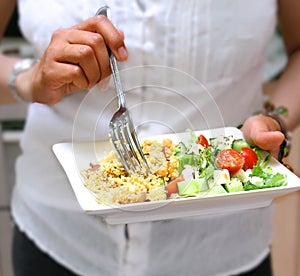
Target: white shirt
192 64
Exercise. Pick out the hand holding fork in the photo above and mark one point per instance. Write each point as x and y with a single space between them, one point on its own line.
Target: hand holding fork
121 128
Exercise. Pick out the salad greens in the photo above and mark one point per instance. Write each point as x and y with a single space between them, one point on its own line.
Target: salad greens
202 173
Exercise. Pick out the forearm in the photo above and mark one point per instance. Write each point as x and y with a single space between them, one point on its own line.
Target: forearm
7 64
287 91
22 83
268 132
6 10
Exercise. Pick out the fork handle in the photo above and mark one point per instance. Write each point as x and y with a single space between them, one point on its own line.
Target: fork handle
117 80
105 10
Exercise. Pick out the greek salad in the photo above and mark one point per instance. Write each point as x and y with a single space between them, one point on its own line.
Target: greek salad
219 166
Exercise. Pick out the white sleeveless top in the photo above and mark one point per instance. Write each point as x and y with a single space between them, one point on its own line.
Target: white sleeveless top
192 64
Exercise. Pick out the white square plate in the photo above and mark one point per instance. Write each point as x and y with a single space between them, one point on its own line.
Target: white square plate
75 156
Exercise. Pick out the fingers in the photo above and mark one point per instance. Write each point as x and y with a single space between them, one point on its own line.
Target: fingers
113 38
264 132
68 75
268 140
56 80
77 58
86 45
80 50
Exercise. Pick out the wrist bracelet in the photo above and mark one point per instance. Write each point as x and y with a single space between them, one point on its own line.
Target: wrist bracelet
18 68
275 114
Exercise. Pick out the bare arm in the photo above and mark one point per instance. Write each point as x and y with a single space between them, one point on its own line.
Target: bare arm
287 92
264 131
6 10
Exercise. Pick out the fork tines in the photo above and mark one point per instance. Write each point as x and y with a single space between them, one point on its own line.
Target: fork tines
127 146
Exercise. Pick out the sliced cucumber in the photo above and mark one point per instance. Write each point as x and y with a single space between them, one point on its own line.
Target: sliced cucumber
188 188
193 187
235 185
216 189
238 144
203 185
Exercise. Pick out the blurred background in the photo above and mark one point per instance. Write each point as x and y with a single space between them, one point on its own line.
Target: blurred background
286 243
12 118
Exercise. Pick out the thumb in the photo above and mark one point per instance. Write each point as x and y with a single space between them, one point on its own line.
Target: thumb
267 140
264 132
270 141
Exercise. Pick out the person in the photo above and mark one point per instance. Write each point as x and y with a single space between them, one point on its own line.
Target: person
207 58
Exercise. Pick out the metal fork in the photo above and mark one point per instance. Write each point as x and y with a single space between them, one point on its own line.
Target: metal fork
121 128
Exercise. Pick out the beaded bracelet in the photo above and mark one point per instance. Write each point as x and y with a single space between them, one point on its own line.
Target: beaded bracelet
275 114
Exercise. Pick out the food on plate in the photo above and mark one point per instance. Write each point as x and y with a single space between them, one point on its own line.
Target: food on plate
108 180
230 159
201 167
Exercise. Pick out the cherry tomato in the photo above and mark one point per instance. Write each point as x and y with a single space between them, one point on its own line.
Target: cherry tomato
250 157
230 159
203 141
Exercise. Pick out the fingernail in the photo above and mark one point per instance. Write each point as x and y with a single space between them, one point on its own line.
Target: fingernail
122 53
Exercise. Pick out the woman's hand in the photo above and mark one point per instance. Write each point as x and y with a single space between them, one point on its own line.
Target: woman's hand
264 132
76 59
